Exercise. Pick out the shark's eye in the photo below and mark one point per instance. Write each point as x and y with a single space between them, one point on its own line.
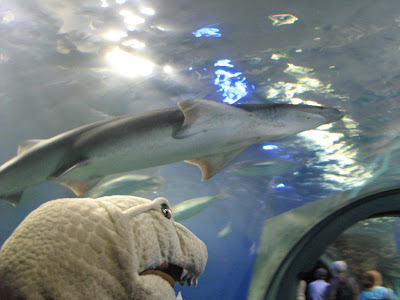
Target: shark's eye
166 211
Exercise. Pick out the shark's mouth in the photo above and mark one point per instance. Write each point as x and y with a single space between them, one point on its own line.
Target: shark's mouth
173 273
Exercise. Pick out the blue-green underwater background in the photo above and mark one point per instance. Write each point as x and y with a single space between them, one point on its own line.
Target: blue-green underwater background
67 63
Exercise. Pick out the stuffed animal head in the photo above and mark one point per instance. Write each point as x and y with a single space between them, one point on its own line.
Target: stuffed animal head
117 247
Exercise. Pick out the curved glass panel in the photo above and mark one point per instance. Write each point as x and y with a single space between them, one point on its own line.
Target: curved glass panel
372 244
67 63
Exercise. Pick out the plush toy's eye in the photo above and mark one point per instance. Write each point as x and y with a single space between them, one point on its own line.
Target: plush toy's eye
166 211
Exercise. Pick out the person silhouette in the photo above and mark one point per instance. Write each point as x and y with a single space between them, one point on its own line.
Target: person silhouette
373 289
343 287
317 288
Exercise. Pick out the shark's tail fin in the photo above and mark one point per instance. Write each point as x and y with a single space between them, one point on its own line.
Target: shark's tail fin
14 199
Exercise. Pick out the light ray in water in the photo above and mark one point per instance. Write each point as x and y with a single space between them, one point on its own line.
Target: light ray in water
283 19
129 65
114 35
231 84
104 3
207 32
224 63
136 44
270 147
147 11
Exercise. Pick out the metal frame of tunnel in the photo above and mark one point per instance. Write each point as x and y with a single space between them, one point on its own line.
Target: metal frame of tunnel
314 242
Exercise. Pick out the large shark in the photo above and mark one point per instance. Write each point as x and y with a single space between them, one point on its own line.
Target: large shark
206 133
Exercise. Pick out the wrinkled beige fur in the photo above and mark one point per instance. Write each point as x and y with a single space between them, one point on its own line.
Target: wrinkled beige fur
95 249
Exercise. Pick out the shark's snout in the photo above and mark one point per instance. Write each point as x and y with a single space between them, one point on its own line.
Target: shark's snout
331 114
328 113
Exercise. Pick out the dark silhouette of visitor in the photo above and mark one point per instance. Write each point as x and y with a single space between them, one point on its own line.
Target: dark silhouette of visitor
343 287
317 289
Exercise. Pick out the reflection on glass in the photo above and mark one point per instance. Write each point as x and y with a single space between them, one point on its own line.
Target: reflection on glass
284 19
168 69
298 70
4 58
6 17
207 32
115 35
372 244
270 147
312 83
230 83
147 11
158 28
104 3
223 63
278 56
287 90
131 20
279 186
127 64
336 158
134 44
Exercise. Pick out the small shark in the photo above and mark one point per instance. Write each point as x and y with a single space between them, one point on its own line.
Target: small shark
225 232
189 208
206 133
264 168
125 184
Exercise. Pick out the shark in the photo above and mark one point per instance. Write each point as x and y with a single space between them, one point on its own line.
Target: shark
206 133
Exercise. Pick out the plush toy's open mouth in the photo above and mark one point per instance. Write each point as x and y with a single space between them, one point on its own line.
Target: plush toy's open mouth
173 273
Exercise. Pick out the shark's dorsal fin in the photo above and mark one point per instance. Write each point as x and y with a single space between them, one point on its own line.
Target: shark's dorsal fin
212 164
27 145
203 115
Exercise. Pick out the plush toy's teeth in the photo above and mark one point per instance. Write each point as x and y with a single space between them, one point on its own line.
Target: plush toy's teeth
191 281
181 283
184 273
188 277
179 296
163 266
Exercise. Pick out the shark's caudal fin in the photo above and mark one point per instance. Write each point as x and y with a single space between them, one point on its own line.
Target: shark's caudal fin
13 199
213 164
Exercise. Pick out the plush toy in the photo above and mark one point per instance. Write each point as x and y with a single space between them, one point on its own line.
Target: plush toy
117 247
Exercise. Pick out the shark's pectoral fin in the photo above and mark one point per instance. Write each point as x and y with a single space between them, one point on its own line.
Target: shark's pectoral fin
68 168
24 146
212 164
204 115
78 187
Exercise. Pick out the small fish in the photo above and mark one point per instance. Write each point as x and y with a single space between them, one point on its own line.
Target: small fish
123 185
263 168
189 208
225 232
